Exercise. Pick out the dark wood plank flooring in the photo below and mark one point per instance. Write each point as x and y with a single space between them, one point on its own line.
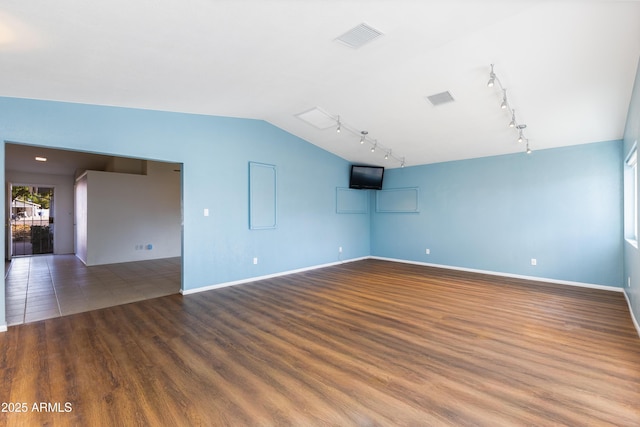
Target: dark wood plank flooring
368 343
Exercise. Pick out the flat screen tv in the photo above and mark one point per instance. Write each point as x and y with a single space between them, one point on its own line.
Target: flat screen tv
366 177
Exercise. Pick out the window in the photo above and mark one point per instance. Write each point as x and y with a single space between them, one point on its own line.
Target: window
631 197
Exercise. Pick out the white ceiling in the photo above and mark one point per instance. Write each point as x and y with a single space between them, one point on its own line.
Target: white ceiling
569 67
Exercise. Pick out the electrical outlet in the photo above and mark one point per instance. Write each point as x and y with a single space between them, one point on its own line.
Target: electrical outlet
629 282
427 251
206 212
340 249
534 261
255 260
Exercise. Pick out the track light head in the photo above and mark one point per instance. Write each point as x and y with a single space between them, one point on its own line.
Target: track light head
373 147
512 123
492 78
339 128
520 128
402 163
504 104
363 136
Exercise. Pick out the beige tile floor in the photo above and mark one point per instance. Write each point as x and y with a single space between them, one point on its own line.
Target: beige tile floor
46 286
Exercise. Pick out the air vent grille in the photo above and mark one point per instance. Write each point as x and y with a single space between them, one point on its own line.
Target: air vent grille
440 98
359 36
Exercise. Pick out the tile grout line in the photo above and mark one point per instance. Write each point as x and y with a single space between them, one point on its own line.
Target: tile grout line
34 280
53 284
26 294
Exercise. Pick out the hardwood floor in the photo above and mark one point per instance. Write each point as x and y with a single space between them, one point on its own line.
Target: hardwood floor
368 343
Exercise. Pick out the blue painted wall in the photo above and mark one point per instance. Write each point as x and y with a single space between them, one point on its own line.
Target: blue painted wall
215 152
560 206
631 253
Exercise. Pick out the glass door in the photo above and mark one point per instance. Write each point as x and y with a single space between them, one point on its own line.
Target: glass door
31 220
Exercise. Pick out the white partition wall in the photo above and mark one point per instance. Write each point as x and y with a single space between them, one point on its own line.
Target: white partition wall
128 217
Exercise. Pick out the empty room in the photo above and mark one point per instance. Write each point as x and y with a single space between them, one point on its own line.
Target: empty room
320 213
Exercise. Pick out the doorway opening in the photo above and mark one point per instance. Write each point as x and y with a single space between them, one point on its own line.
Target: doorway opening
31 220
133 218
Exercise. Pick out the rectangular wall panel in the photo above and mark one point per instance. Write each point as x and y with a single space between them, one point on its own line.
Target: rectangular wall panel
349 201
398 200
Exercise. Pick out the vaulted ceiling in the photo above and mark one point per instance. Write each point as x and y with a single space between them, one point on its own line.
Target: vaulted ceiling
568 67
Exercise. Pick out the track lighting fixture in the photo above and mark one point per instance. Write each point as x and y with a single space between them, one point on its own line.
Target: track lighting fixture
493 81
364 136
492 78
325 121
504 104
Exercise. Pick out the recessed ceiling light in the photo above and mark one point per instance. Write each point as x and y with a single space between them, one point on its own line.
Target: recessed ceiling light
41 159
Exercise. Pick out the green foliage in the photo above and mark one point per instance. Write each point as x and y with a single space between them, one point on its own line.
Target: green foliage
41 196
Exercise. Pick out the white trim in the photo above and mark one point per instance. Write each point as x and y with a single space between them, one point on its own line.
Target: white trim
268 276
82 175
3 327
631 196
633 317
633 151
449 267
514 276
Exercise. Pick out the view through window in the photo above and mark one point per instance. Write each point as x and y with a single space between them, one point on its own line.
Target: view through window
631 197
31 220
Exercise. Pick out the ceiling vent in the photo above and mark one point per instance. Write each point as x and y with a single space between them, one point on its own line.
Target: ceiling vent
440 98
359 36
317 117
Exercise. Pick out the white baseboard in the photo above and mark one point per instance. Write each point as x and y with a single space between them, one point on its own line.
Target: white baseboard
449 267
513 276
268 276
3 328
633 317
538 279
